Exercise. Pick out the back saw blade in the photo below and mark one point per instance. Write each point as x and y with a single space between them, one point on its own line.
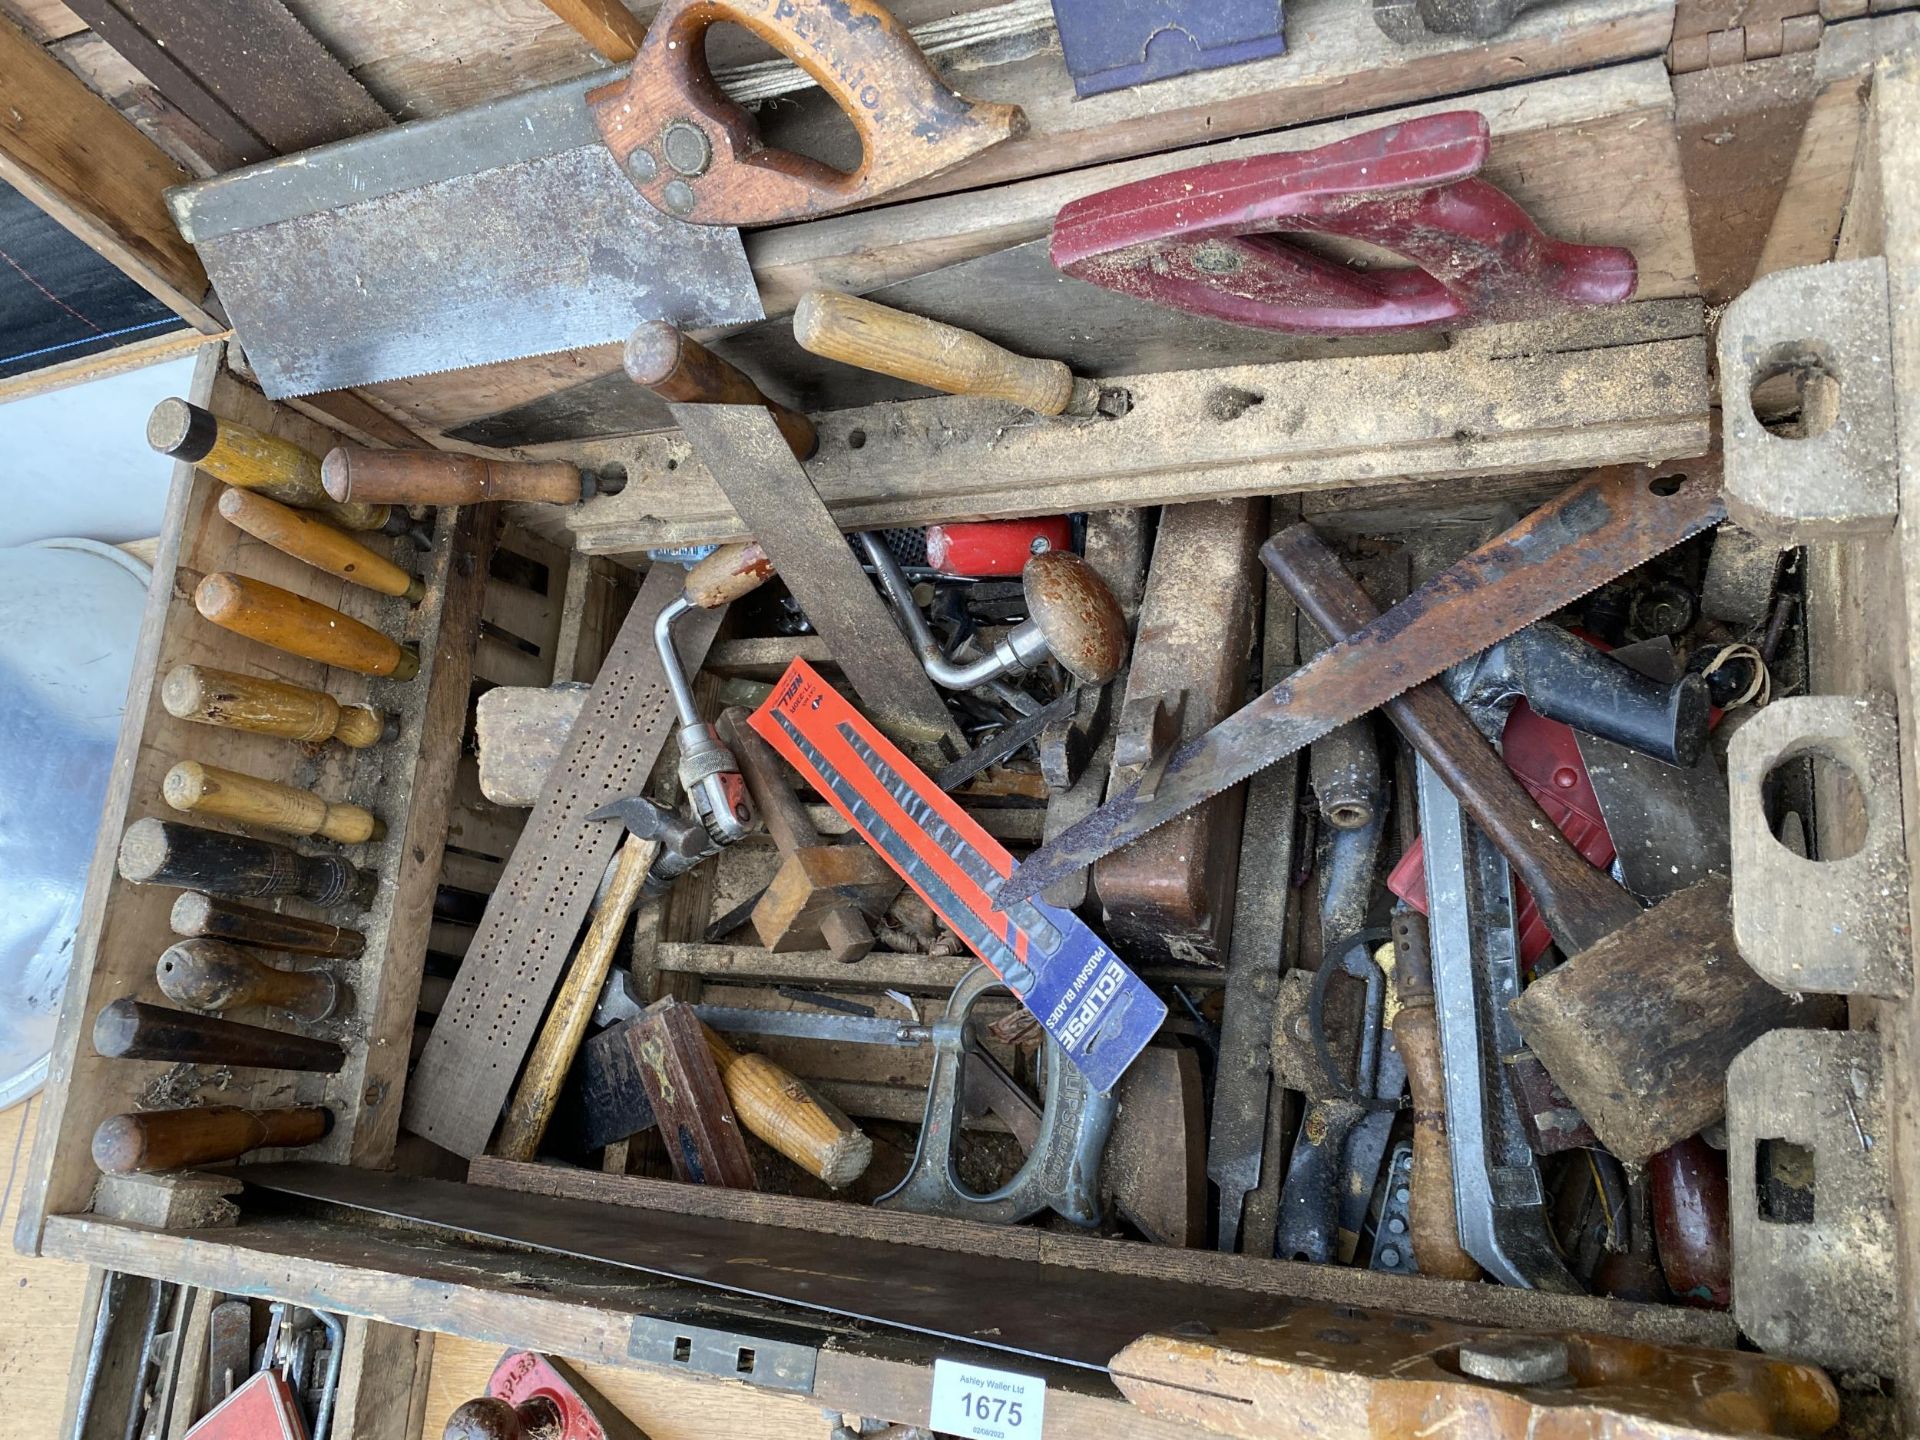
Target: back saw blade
499 232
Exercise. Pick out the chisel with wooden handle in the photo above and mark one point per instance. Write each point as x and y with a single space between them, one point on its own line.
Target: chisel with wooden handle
676 367
295 533
213 975
253 460
209 916
301 626
177 1139
165 852
209 696
440 477
248 800
781 1110
133 1030
941 357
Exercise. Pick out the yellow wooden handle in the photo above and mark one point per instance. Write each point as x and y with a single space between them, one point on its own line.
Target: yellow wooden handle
267 707
782 1111
301 626
207 974
566 1023
317 543
252 460
438 477
248 800
926 352
727 574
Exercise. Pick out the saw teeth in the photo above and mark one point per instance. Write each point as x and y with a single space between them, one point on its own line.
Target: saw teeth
1013 890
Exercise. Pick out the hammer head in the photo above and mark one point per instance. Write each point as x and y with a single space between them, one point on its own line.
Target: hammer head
649 821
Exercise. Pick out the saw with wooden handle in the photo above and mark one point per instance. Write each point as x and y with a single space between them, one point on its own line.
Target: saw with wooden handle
1605 525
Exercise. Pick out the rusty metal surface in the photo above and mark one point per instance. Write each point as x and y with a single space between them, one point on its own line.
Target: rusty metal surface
498 232
698 156
1017 1306
1602 527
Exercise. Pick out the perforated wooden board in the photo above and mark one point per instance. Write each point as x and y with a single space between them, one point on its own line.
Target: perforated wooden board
488 1022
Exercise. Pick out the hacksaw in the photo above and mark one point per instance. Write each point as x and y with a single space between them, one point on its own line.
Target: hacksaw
562 217
1605 525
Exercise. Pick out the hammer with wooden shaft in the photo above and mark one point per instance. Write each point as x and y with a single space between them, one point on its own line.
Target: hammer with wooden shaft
941 357
644 850
1639 1025
822 894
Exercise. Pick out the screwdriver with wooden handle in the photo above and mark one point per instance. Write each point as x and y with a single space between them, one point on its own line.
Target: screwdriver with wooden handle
209 696
293 532
177 1139
213 975
248 800
254 460
214 917
302 627
165 852
353 474
941 357
676 367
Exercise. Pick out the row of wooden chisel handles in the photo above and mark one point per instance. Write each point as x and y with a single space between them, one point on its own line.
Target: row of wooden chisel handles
309 507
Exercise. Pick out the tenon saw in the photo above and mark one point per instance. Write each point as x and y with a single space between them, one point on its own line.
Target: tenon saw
1602 527
565 216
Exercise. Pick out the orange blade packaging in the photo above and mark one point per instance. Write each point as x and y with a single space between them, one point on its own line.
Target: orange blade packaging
1100 1013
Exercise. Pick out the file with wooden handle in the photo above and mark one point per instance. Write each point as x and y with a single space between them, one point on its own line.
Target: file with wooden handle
941 357
166 852
248 800
204 974
675 366
177 1139
727 574
260 706
301 626
252 460
440 477
210 916
134 1030
295 533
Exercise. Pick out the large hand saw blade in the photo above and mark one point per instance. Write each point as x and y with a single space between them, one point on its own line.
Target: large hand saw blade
499 232
1604 526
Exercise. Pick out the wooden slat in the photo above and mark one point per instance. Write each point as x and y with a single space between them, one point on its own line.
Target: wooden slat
1593 158
530 925
246 71
1581 393
408 781
74 156
614 31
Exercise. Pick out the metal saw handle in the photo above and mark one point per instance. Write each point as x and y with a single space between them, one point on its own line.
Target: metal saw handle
1203 240
697 156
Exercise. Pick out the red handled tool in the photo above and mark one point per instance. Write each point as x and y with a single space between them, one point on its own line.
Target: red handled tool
1206 239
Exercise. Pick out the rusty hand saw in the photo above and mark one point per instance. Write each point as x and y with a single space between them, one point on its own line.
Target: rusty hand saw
1609 522
565 216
